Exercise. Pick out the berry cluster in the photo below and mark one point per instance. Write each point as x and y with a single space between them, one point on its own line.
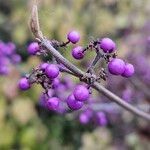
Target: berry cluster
8 56
56 96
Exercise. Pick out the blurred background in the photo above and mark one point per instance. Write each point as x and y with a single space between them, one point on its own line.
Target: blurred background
26 126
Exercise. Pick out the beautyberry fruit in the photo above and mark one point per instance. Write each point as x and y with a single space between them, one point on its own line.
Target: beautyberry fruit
85 116
73 103
52 71
16 58
56 83
53 103
129 70
73 37
24 84
116 66
107 45
77 52
33 48
81 93
43 66
101 119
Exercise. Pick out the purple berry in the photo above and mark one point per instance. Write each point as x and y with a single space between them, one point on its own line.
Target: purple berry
4 70
77 52
73 103
116 66
33 48
73 37
107 45
53 103
101 119
85 116
52 71
127 94
81 93
24 84
56 83
16 58
84 119
129 70
12 46
43 66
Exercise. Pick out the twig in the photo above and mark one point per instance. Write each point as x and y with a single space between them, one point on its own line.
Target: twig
96 59
79 73
113 106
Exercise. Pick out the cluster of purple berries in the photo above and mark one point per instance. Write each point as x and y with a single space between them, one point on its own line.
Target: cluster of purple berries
61 103
116 66
89 116
8 56
56 96
76 100
47 75
119 67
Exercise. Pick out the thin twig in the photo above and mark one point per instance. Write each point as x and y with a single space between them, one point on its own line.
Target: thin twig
96 59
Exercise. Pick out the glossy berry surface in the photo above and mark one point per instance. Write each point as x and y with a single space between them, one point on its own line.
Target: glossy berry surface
52 71
53 103
43 66
107 45
73 103
116 66
81 93
129 70
33 48
24 84
73 37
77 52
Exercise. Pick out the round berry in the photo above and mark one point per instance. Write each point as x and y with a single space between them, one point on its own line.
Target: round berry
81 93
56 83
33 48
73 103
16 58
53 103
107 45
4 70
24 84
129 70
73 37
85 116
52 71
43 66
101 119
78 52
116 66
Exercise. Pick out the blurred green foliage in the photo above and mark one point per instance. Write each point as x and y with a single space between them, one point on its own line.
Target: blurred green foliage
23 124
